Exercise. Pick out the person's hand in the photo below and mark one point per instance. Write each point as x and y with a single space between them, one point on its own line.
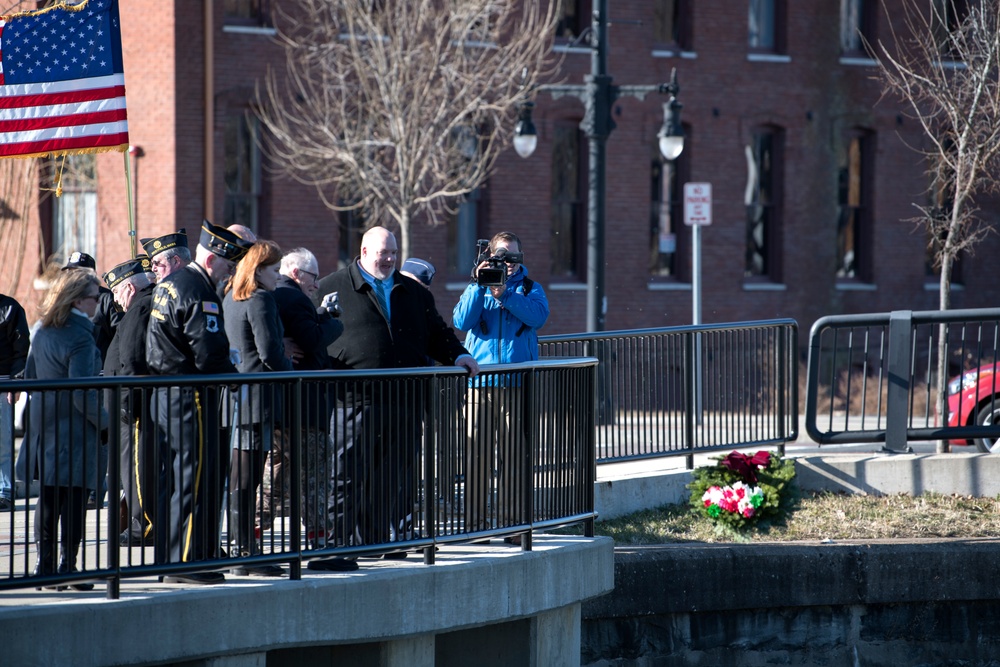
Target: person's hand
331 303
292 351
469 363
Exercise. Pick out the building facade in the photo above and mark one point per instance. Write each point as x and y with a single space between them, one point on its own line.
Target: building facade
813 173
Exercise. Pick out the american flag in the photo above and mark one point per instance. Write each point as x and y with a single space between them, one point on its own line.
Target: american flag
62 83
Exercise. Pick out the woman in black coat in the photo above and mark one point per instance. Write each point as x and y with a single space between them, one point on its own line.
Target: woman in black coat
255 330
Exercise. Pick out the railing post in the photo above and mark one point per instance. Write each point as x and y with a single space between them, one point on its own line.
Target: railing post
690 391
897 408
783 389
295 444
430 413
530 399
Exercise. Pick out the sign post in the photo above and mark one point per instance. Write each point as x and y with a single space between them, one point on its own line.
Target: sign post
697 214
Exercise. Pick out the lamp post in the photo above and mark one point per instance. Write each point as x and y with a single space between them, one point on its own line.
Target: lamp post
598 95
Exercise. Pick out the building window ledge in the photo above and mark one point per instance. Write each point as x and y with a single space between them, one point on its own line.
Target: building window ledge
250 30
768 58
668 287
764 287
851 286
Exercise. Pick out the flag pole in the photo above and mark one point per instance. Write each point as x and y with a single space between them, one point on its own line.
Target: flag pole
128 197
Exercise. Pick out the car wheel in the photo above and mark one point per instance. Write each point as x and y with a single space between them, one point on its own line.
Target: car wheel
988 416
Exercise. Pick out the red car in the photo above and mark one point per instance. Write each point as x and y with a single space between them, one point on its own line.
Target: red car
974 398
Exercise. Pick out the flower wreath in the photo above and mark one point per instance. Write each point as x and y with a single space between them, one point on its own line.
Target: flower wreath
741 491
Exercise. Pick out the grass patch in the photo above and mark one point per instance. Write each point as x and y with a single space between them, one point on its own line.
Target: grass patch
820 516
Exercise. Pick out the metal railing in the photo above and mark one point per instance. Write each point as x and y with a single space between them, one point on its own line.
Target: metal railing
676 391
872 377
434 461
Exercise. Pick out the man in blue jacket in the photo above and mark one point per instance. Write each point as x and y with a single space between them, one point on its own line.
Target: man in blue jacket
502 321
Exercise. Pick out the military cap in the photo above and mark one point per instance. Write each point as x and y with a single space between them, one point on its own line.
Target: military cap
127 269
222 242
421 269
155 246
80 260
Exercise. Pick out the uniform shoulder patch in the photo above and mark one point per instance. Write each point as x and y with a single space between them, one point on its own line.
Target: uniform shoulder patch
210 307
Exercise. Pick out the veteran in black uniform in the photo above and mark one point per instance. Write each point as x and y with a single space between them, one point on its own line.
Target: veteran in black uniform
132 284
186 336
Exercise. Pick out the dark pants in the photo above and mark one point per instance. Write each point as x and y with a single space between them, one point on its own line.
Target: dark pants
376 449
494 477
188 423
61 508
141 473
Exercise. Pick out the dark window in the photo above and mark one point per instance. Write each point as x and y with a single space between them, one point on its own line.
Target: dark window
670 237
242 172
463 231
766 26
576 18
854 222
247 12
568 201
74 213
947 17
672 23
942 199
763 200
857 26
351 225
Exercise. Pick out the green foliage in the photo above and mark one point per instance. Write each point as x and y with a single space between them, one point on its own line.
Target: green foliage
776 480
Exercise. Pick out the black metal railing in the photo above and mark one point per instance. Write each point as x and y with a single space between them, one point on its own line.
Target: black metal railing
434 460
676 391
873 378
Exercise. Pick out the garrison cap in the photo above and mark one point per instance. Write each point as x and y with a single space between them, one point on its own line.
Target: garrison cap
155 246
80 260
127 269
222 242
420 268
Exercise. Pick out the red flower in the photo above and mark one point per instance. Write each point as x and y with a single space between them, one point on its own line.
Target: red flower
747 466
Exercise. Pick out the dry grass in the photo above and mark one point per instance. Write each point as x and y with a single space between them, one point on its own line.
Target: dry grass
824 516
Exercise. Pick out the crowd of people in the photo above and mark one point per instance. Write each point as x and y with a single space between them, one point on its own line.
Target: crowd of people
237 304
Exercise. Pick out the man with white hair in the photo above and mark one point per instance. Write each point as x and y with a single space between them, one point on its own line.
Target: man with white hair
310 329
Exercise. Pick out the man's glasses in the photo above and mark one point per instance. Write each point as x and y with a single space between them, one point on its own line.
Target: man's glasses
314 276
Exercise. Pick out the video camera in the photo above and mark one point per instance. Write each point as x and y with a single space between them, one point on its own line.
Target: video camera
495 273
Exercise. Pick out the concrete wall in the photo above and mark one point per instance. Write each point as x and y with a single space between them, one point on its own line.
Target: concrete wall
483 605
882 604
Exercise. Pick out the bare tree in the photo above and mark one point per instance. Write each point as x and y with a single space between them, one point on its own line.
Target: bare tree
399 109
946 68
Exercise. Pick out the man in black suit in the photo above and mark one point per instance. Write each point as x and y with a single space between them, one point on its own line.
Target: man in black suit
310 329
390 321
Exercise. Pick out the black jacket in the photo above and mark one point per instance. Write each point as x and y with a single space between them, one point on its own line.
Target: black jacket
127 353
310 328
106 319
418 333
14 337
187 334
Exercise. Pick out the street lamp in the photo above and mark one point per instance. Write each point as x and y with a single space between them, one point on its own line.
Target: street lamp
598 95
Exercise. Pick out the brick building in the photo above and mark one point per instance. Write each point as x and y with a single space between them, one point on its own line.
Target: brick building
822 229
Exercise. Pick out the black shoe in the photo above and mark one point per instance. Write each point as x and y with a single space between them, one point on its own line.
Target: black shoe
258 571
129 539
6 504
92 502
333 564
196 578
395 555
